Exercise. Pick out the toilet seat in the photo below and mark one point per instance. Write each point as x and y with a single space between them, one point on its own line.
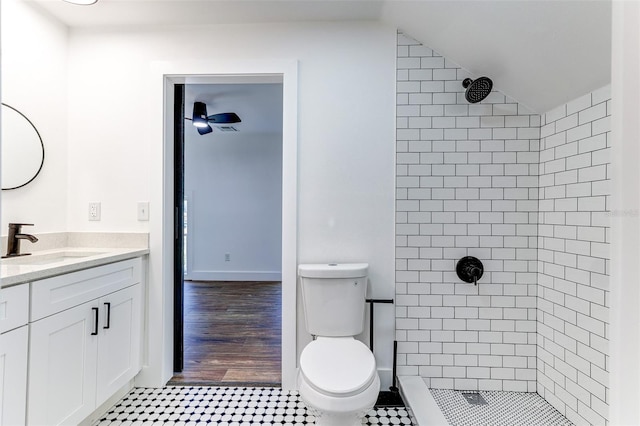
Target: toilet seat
338 366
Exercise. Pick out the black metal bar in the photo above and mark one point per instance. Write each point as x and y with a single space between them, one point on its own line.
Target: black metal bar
371 303
371 326
393 387
95 324
108 324
379 300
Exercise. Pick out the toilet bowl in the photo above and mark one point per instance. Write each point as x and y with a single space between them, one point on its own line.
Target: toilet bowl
338 378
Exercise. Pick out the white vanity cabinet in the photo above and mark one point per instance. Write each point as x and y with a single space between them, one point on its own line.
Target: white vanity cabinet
14 341
62 367
85 340
119 349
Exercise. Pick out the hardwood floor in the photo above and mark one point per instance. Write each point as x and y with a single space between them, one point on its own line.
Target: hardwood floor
232 333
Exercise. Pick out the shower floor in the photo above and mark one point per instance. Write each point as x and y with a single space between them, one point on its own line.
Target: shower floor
501 408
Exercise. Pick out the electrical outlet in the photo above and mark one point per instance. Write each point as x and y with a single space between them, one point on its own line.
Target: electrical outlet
227 257
94 211
143 210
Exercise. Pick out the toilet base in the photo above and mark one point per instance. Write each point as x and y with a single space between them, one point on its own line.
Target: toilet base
348 419
341 411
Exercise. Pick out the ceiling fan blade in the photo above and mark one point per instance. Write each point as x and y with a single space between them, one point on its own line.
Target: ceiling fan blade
204 130
224 118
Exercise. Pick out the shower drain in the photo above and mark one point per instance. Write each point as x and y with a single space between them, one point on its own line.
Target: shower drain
474 398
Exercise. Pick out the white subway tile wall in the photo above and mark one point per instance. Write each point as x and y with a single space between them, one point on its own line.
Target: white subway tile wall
573 258
527 195
467 185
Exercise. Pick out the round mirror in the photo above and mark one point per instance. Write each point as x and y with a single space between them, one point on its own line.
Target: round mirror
22 149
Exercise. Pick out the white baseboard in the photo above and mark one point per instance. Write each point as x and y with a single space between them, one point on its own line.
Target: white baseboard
234 276
386 378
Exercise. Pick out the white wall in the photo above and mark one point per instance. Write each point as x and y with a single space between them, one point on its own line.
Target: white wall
233 184
625 215
34 81
345 135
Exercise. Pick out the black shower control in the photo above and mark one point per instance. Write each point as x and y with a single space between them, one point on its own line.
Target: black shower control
469 269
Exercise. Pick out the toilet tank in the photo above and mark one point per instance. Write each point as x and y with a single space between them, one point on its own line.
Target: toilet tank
333 296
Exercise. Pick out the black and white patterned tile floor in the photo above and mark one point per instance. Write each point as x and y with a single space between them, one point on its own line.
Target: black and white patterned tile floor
222 406
501 408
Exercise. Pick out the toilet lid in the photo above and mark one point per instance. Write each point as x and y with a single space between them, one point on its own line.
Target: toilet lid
337 366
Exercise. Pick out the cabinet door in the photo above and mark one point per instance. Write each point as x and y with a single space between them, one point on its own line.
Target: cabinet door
119 342
62 367
13 376
14 307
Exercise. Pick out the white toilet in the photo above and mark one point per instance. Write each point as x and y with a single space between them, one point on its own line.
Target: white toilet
338 379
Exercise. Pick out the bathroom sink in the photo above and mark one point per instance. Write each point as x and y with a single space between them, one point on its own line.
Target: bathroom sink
48 258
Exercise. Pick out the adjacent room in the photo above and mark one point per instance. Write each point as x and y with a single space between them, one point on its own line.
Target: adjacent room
231 175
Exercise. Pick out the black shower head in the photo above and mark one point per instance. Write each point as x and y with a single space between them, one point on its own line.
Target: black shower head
477 89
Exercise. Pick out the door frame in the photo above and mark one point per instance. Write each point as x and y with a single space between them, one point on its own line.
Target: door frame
178 220
179 112
158 365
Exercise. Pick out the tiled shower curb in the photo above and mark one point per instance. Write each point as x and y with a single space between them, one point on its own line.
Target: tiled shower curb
423 409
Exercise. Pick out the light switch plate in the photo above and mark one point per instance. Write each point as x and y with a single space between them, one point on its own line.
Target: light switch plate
143 210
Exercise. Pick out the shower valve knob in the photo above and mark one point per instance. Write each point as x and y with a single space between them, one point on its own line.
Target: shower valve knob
469 269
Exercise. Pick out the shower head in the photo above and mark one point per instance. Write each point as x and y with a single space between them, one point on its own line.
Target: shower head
477 89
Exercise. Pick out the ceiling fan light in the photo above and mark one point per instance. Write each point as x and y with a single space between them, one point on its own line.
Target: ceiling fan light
199 118
82 2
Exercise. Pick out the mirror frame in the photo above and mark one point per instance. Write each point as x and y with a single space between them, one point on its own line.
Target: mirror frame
41 144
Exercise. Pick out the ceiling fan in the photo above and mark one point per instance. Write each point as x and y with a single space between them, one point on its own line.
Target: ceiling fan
201 120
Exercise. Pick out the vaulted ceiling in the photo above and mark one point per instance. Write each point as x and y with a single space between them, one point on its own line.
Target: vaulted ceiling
541 53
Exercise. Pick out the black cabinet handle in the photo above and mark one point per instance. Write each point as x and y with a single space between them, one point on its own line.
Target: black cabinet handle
108 305
95 319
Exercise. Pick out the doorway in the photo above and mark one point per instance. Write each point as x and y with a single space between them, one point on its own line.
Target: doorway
229 227
164 76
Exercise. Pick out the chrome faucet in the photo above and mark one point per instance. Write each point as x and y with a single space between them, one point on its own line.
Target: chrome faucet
13 240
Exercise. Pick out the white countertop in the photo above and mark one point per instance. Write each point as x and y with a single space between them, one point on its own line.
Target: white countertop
49 263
